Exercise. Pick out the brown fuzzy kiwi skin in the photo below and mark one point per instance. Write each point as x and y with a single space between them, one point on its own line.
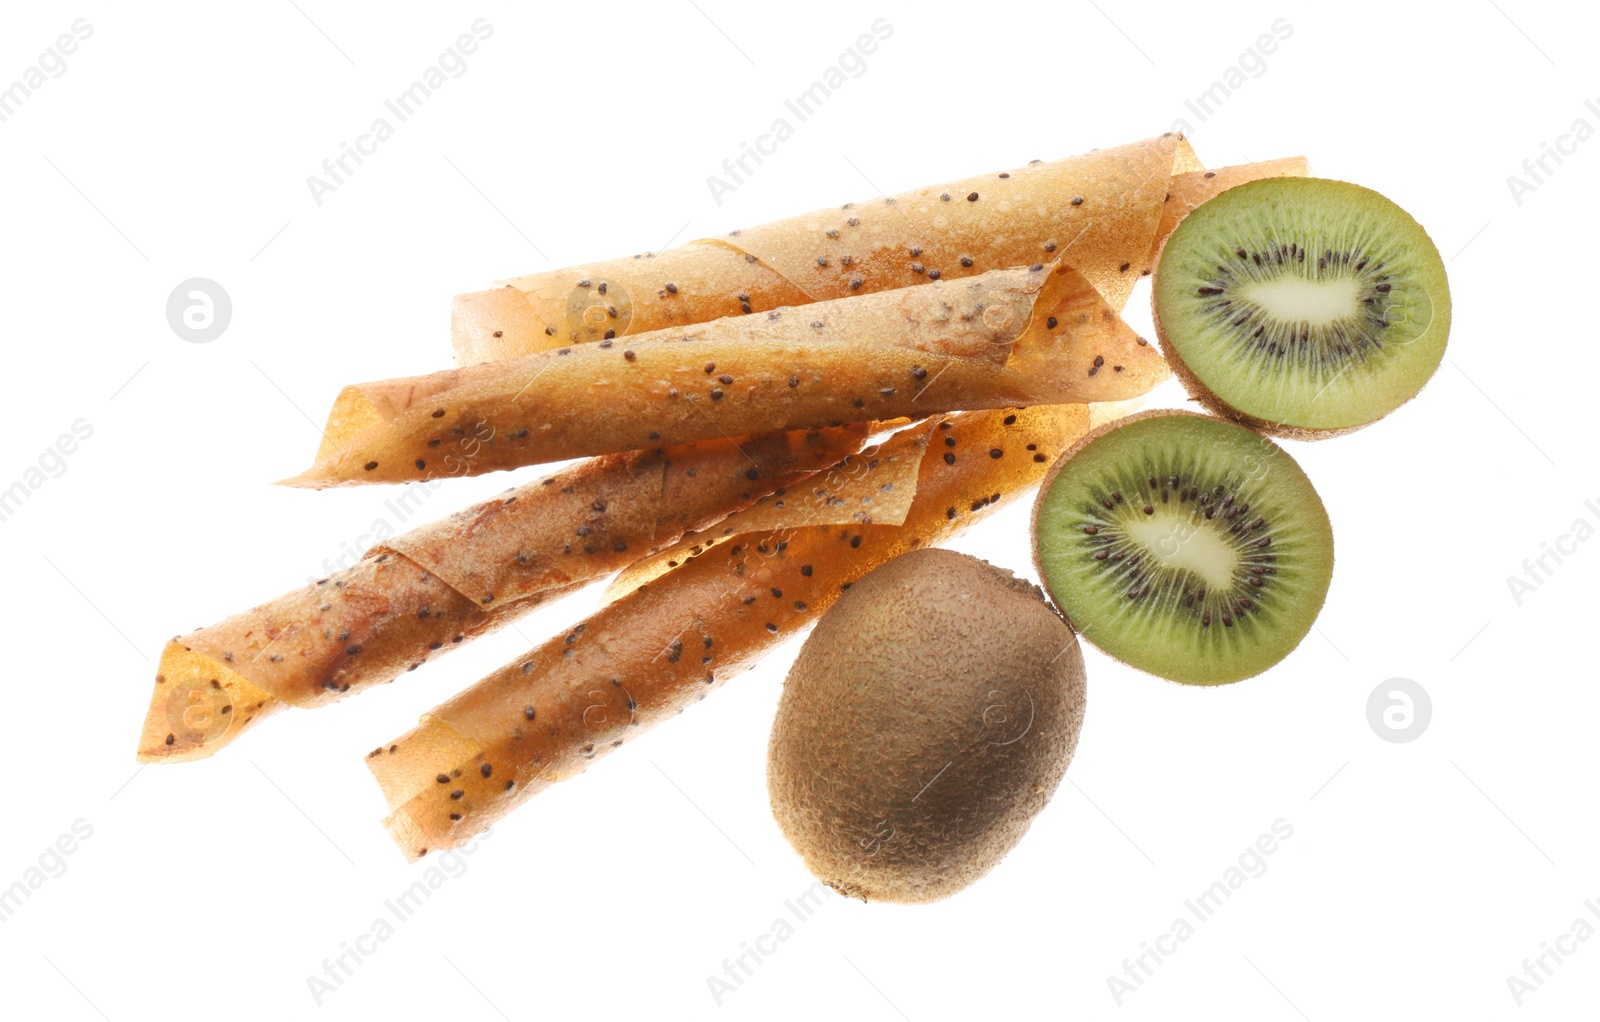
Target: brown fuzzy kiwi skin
926 721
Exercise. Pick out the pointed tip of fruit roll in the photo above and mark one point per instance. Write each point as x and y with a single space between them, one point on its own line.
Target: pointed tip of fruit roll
434 759
364 409
875 486
352 414
1187 191
1102 412
314 478
407 836
1076 349
1183 155
499 323
198 705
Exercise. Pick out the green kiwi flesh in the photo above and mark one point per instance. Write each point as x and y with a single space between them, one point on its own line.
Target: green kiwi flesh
1301 306
1186 546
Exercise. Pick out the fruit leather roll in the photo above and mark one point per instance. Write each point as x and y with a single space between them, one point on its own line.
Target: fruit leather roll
425 592
668 642
1023 336
1104 213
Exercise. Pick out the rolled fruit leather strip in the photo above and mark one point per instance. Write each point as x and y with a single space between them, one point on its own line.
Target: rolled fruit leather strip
1097 212
432 589
1024 336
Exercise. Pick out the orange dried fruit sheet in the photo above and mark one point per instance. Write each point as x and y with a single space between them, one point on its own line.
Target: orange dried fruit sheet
1024 336
425 592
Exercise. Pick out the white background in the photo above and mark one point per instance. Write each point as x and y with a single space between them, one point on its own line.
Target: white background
178 143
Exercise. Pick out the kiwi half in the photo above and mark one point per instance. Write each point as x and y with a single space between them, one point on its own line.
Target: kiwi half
1185 546
1301 307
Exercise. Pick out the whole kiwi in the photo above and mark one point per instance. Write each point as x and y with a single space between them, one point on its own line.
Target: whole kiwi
925 722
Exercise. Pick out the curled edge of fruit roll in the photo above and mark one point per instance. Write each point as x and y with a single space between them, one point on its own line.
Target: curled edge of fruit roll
652 653
1188 191
431 589
877 486
1024 336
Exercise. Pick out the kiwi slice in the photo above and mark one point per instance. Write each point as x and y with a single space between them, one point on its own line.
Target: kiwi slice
1185 546
1301 307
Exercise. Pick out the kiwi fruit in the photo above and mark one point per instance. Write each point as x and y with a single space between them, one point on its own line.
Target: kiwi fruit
925 722
1301 307
1186 546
